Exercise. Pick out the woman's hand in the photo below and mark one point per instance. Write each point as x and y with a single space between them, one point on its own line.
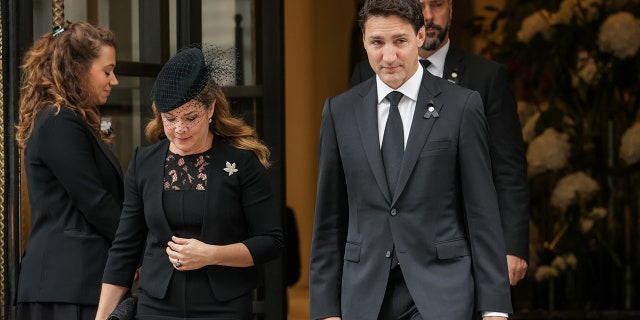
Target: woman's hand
110 297
192 254
189 254
136 276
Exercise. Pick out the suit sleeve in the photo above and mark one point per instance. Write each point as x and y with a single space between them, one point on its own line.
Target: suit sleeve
509 164
481 209
125 253
265 240
67 149
330 225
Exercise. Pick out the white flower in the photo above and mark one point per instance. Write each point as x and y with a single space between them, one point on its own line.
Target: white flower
529 128
105 126
526 110
582 10
571 260
549 151
545 272
586 224
619 35
598 213
571 188
559 263
586 69
630 145
537 22
231 168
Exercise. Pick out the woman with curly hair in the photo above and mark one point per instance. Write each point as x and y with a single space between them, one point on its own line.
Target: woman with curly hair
74 180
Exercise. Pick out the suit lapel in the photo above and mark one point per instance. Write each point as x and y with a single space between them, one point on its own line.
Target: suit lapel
420 128
453 65
155 165
107 151
366 115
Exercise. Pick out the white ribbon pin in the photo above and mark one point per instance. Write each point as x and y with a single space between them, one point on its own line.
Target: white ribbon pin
431 111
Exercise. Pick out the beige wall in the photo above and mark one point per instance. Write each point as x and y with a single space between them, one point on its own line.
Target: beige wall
317 40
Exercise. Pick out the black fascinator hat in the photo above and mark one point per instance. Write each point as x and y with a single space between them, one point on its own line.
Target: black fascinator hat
187 73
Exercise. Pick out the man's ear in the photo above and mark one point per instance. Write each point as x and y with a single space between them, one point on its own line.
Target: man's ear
421 36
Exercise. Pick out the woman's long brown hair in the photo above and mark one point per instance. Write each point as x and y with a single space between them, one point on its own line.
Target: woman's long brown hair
54 71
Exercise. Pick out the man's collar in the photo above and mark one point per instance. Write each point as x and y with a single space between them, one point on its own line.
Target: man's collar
410 88
438 58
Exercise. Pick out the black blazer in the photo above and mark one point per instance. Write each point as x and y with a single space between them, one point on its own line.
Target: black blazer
444 185
76 193
509 164
240 207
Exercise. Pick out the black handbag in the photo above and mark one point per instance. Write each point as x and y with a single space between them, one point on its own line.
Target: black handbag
126 310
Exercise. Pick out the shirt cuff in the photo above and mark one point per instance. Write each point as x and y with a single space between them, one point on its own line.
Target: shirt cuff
494 314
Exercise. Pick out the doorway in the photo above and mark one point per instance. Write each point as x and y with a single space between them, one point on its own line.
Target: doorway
148 33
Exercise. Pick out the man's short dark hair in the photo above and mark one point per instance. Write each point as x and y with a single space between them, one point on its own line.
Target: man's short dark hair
410 10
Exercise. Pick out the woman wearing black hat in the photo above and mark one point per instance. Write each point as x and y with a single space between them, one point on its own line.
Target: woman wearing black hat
198 204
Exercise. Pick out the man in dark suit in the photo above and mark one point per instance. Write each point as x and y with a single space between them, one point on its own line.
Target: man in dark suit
407 223
507 149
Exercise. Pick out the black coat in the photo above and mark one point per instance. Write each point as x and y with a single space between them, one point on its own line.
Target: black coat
76 193
239 207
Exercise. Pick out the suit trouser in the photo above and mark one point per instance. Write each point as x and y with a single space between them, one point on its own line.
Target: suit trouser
397 303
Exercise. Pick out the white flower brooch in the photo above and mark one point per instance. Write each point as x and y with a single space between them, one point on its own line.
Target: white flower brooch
231 168
105 126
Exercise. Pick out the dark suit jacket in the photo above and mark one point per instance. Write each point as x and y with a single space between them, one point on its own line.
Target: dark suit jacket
76 193
239 208
444 185
507 149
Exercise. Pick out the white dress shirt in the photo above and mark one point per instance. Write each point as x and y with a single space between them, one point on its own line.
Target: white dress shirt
437 60
407 105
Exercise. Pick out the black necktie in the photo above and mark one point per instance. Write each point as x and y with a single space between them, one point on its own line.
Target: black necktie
425 63
393 150
393 142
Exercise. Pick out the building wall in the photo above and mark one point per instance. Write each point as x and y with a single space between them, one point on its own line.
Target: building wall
317 41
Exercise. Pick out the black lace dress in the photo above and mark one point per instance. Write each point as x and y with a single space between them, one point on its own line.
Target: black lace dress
189 295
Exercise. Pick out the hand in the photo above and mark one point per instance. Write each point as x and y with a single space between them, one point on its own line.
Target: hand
332 318
517 269
136 276
191 253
